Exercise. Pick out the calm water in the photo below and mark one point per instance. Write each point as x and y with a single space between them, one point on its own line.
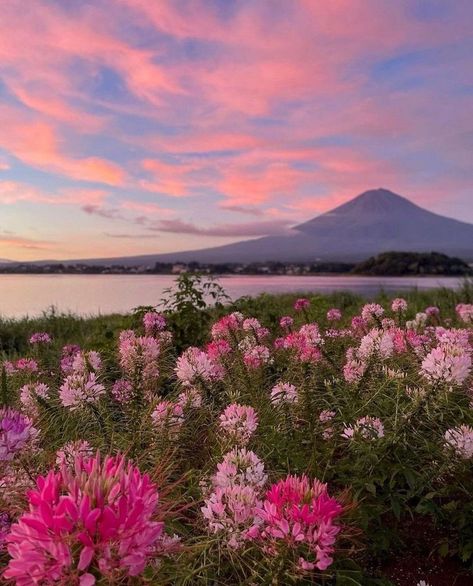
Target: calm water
92 294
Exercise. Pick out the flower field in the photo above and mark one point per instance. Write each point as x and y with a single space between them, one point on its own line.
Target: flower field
319 445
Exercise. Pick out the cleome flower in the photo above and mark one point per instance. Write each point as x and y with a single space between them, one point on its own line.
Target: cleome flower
16 433
449 363
460 440
284 393
369 428
239 422
72 450
240 466
95 518
195 364
299 514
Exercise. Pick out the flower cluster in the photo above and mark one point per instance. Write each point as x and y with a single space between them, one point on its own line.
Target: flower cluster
449 363
465 312
73 450
369 428
239 422
284 393
94 518
460 439
153 323
305 343
195 365
168 416
139 360
40 338
29 395
300 515
16 433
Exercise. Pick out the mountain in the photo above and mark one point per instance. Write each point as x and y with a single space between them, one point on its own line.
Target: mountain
375 221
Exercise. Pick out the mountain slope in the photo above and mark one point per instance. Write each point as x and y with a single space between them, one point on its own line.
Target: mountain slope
376 221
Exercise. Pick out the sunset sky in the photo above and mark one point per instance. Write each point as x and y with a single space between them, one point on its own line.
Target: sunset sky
142 126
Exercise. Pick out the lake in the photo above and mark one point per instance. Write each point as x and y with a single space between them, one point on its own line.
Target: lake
93 294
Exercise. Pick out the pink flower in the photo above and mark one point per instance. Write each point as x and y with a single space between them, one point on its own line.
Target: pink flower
376 343
372 311
256 356
286 322
4 529
95 518
168 416
447 363
122 391
298 515
80 389
242 467
217 349
399 305
29 394
16 433
354 368
73 450
334 314
230 512
432 311
465 312
195 365
23 365
359 325
460 439
239 422
139 359
68 353
153 323
190 399
369 428
40 338
301 304
326 415
227 325
305 343
284 393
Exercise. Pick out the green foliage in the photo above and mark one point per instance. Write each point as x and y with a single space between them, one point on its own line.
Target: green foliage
413 263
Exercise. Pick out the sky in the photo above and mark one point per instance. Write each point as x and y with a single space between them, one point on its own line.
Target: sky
137 126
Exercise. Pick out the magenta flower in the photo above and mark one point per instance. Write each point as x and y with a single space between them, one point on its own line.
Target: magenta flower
153 323
334 314
432 311
239 422
227 325
301 304
299 514
286 322
95 518
40 338
4 529
122 391
16 433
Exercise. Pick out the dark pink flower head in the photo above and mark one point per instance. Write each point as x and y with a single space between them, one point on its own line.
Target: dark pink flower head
286 321
4 528
300 513
40 338
301 304
153 322
432 311
334 314
16 432
94 518
224 327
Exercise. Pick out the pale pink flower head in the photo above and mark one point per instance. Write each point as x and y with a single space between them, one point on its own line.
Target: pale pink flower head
79 390
40 338
239 422
139 359
73 450
195 365
16 433
29 394
299 515
447 363
354 368
240 466
229 512
460 440
286 322
96 518
301 304
326 415
399 305
376 342
465 312
190 398
153 323
168 416
122 391
368 428
283 394
371 312
253 325
334 314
